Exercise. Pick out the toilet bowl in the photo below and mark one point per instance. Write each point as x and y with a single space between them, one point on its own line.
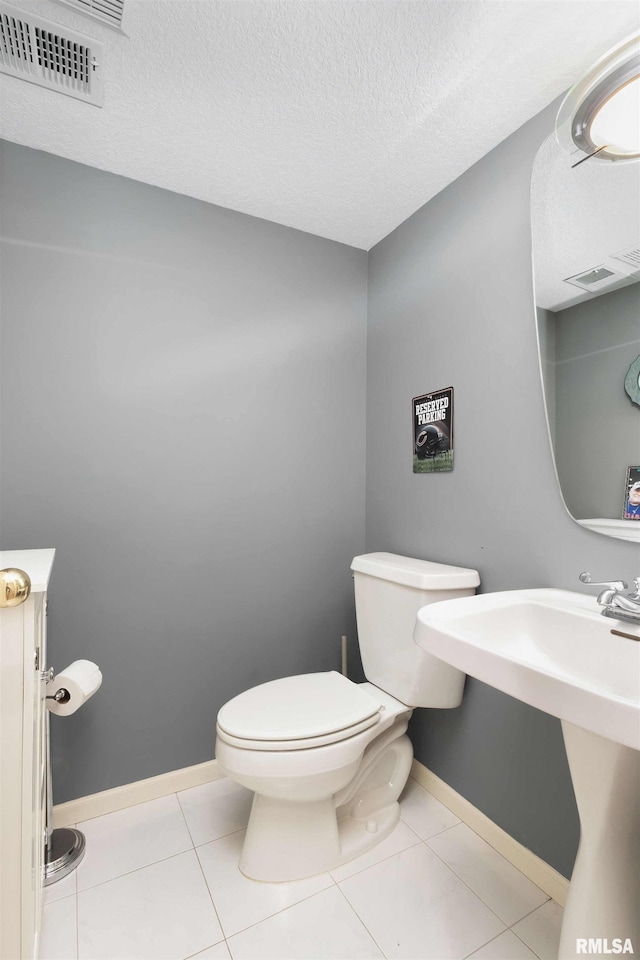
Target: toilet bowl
326 796
327 758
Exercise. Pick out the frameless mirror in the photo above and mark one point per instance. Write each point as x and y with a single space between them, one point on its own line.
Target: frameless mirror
586 261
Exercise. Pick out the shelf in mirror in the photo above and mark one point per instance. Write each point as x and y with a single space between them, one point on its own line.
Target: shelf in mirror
622 529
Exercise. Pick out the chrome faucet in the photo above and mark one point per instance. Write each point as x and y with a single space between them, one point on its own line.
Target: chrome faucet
616 605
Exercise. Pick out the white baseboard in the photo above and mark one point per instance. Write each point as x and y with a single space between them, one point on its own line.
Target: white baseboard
533 867
97 804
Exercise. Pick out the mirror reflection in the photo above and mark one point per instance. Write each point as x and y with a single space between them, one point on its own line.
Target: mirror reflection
586 257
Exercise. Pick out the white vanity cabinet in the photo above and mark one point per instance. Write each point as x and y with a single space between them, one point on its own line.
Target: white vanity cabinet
23 758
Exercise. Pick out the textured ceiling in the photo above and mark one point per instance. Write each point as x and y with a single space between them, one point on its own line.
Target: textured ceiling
338 117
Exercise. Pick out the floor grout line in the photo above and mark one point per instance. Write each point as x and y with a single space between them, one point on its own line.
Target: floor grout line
128 873
507 925
161 859
282 910
475 949
208 947
224 933
215 839
539 907
516 934
470 889
362 921
528 946
186 822
357 873
409 827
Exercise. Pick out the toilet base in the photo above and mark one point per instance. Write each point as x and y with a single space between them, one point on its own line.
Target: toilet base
358 836
291 840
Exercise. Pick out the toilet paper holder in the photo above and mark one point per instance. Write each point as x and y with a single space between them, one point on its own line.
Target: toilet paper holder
64 847
60 696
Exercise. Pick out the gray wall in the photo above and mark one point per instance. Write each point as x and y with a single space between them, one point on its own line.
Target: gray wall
597 425
183 411
451 303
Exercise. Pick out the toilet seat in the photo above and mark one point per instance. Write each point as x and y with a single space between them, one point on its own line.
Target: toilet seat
298 713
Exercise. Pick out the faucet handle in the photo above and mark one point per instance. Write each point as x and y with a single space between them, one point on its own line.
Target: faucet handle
612 584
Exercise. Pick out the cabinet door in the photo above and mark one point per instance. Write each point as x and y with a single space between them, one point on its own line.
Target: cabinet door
11 713
22 777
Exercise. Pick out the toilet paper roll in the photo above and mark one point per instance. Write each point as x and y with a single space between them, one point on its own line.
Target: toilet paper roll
80 679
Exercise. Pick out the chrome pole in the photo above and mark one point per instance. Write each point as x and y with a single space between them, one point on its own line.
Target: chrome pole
64 847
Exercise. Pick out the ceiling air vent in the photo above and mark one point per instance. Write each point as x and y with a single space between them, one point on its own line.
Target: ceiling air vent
630 256
109 12
50 55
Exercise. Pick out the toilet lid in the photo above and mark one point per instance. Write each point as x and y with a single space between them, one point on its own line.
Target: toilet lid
298 708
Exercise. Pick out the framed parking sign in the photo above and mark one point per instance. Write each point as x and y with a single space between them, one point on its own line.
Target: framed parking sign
433 431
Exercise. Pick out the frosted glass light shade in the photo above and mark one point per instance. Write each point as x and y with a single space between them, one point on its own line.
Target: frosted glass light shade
617 123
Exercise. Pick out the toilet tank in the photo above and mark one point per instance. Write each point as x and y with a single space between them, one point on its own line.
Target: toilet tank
389 591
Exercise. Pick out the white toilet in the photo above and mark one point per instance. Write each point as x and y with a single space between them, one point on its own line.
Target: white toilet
328 758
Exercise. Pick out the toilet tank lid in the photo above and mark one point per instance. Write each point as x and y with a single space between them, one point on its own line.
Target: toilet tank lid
422 574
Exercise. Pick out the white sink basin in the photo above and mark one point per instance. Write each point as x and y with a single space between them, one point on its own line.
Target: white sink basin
554 650
549 648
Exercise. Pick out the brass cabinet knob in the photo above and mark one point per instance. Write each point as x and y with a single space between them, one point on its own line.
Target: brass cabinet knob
15 587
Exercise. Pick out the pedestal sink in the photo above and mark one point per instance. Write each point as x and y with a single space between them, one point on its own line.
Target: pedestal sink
553 650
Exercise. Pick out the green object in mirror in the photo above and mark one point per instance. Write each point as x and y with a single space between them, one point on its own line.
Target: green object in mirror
632 381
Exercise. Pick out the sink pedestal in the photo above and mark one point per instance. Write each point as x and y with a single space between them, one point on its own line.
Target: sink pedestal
604 894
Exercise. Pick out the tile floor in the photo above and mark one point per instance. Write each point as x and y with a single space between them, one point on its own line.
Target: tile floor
160 881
